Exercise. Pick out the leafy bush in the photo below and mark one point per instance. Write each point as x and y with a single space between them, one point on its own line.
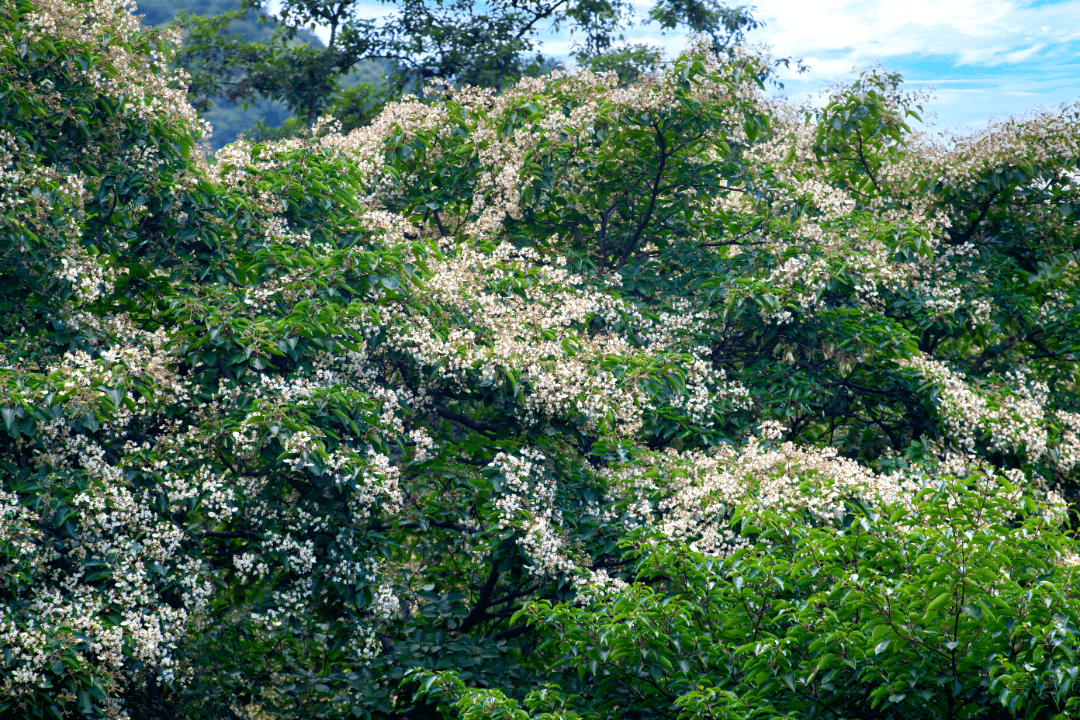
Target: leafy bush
960 602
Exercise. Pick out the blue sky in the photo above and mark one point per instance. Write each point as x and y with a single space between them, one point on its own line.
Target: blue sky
982 58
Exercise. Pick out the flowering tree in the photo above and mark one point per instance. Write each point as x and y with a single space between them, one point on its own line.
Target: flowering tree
368 425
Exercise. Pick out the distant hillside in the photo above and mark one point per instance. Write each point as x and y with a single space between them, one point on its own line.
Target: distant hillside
159 12
230 121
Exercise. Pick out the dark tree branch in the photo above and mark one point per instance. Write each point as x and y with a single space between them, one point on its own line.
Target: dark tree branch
438 221
628 251
604 217
483 602
231 535
485 428
511 633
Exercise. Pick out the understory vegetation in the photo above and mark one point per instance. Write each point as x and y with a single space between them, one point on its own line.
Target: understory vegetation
585 398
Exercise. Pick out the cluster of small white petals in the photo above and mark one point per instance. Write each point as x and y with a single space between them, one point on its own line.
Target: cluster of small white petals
1013 413
535 336
125 537
145 83
1066 454
385 603
528 504
597 586
423 445
685 495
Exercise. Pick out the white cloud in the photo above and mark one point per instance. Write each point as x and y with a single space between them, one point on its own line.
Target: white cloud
984 58
972 32
1022 55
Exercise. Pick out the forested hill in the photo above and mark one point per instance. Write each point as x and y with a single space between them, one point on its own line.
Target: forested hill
231 120
158 12
228 120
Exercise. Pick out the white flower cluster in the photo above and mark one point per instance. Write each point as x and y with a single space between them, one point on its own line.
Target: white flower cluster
1012 414
535 334
598 586
122 538
528 504
1066 454
42 199
148 87
687 495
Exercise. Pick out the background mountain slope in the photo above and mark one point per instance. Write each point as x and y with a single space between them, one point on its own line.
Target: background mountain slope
232 120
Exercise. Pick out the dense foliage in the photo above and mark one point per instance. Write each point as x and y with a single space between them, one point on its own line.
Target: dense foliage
937 610
580 400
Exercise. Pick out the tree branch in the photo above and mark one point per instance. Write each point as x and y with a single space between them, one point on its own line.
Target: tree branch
484 428
476 615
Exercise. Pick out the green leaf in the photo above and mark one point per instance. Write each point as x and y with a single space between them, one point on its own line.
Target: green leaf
939 601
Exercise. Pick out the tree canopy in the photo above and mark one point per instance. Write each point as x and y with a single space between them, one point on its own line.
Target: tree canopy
482 44
585 399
